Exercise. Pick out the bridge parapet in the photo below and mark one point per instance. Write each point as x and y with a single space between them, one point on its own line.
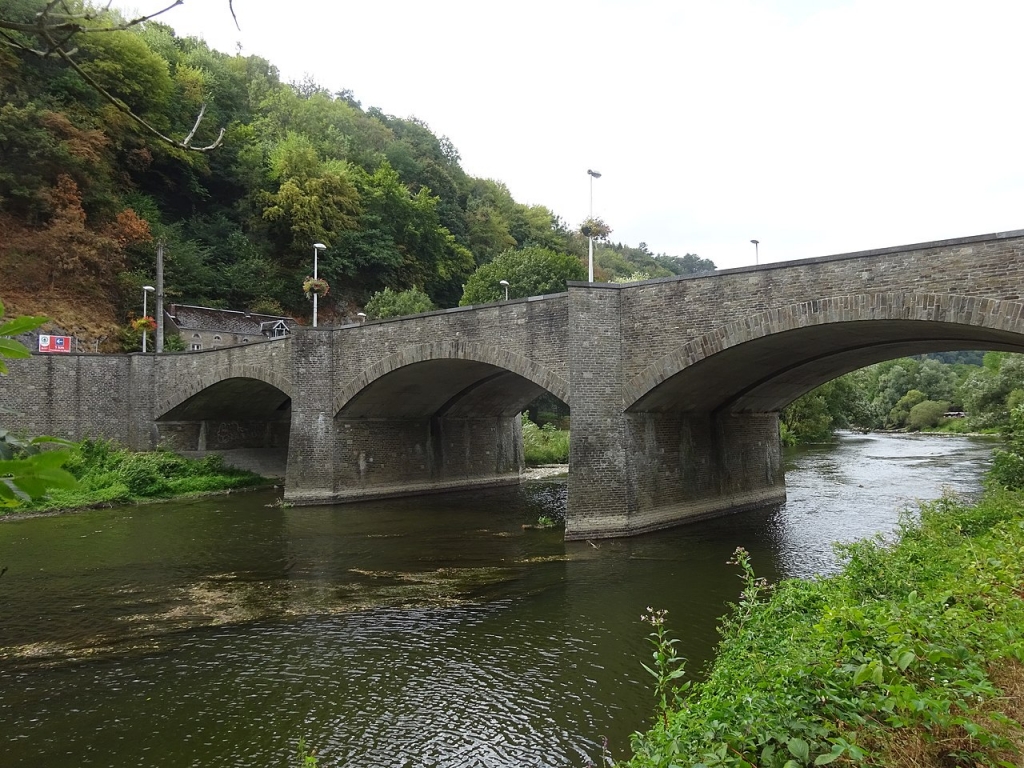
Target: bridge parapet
531 328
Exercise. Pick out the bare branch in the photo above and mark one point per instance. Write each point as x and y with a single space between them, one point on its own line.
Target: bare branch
128 111
56 30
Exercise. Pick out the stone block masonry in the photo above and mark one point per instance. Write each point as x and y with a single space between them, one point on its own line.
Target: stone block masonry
674 385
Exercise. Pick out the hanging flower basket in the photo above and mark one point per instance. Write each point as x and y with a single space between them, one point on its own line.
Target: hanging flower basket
315 285
595 228
146 323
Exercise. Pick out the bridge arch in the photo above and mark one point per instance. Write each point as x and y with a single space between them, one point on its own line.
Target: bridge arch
473 372
762 362
247 381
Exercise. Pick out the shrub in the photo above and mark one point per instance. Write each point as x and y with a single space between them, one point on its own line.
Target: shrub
901 411
109 474
389 303
544 445
902 646
926 414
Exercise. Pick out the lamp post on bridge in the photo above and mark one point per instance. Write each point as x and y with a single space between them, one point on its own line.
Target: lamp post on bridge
590 240
317 247
755 242
146 290
504 284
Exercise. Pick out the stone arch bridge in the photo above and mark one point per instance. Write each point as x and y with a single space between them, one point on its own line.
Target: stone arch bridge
674 385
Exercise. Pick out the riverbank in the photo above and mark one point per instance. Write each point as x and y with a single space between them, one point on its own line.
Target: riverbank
234 482
107 476
910 656
544 471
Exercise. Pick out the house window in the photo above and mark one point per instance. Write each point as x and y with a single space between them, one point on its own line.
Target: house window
197 343
245 341
216 342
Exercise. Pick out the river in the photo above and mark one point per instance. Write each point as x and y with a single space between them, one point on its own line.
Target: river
433 631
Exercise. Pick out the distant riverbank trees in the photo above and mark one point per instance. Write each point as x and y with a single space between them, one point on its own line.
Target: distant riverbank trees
912 394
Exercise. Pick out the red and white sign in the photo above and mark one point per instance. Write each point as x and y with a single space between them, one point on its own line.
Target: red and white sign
48 343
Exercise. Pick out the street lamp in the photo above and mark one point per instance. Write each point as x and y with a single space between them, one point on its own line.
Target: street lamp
317 247
146 290
755 242
505 284
361 316
593 175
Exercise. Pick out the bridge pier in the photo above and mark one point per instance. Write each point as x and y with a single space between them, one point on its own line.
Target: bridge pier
385 458
675 468
639 471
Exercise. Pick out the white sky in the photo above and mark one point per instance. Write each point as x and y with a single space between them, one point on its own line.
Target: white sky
814 126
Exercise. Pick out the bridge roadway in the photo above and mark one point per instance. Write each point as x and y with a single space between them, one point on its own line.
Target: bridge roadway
674 385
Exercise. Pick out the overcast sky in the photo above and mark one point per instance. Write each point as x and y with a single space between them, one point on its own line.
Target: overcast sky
814 126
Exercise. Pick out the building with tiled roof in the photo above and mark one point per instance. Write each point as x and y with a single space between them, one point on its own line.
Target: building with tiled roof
207 328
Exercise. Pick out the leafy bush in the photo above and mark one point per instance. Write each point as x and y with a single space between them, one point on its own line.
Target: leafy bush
1008 466
544 445
107 474
529 272
927 414
900 413
901 647
389 303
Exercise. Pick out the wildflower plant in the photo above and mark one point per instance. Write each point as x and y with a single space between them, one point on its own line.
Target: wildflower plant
667 666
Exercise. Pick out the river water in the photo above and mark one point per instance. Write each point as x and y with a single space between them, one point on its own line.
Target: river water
434 631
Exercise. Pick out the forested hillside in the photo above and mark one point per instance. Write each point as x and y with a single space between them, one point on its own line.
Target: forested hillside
86 192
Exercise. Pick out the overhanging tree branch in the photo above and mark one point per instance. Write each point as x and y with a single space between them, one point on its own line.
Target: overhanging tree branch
56 26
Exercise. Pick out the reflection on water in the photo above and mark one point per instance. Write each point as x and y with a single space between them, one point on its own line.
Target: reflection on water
434 631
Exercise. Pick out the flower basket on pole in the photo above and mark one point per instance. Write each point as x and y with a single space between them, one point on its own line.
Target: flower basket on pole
595 228
315 285
144 324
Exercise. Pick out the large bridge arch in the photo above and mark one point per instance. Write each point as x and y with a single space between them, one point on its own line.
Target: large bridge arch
433 416
241 412
477 368
253 379
762 362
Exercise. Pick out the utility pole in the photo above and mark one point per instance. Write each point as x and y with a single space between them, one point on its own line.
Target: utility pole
160 297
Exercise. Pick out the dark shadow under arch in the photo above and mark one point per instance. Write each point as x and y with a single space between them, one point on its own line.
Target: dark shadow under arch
447 379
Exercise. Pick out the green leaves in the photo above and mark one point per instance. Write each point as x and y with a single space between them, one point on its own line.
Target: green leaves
529 272
33 476
906 637
19 325
799 749
10 348
388 303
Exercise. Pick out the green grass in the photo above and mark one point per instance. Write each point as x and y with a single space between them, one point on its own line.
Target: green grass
108 474
892 662
544 445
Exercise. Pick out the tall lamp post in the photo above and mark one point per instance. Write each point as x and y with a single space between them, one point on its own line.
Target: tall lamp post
317 247
146 290
755 242
590 260
504 283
